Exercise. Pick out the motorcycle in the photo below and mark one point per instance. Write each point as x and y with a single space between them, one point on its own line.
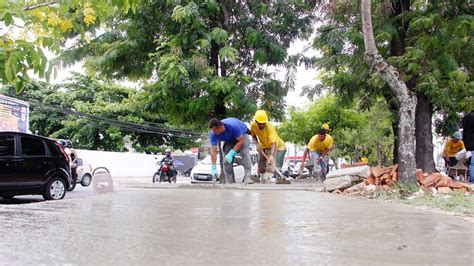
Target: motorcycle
166 171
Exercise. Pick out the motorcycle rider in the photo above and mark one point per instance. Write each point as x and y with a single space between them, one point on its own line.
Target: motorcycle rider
71 152
168 159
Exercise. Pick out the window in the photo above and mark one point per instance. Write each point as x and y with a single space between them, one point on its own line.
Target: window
7 146
32 147
54 149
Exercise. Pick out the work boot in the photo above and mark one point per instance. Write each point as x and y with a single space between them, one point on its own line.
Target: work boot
248 180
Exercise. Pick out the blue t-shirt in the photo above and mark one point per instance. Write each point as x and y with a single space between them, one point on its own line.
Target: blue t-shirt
234 128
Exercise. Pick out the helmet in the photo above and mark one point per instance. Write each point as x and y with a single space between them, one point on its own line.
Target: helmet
325 126
457 135
364 160
68 144
168 152
62 143
261 117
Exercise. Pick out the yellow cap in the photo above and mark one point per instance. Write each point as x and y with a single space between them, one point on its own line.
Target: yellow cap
326 126
364 160
261 117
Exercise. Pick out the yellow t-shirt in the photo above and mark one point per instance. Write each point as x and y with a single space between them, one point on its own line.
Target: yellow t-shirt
451 148
267 136
320 146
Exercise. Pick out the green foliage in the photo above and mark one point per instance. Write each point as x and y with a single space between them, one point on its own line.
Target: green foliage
219 35
436 59
200 59
356 133
110 104
31 26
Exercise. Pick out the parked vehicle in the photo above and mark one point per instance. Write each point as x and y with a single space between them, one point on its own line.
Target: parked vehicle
305 170
84 172
166 171
201 173
31 164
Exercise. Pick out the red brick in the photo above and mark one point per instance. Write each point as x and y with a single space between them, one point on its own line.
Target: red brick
443 181
395 177
377 171
370 180
394 169
419 175
344 165
458 184
431 180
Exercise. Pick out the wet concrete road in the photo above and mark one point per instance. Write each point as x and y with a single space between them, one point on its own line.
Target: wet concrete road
217 226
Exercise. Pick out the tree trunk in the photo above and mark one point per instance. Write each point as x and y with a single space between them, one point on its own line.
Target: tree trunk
219 109
397 48
395 142
356 155
424 137
379 156
407 101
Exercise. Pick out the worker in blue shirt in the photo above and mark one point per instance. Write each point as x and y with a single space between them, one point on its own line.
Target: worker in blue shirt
235 135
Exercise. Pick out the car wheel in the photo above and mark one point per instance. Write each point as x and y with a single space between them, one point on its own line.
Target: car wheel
73 185
55 189
86 180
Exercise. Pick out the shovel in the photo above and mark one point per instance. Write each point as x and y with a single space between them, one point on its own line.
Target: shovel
274 166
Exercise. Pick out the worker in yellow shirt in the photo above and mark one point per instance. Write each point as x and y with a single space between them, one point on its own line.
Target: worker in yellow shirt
269 143
453 146
319 147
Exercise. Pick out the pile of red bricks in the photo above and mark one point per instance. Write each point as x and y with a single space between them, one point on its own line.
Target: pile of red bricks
383 176
442 183
387 177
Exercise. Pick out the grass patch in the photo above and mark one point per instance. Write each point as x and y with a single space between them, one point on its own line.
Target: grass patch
455 201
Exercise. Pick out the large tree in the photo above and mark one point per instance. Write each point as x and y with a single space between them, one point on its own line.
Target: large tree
405 98
201 59
428 42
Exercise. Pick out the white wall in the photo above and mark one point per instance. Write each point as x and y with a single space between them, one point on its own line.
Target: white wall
121 164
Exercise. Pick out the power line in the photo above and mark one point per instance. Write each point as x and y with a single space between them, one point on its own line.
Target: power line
151 124
124 125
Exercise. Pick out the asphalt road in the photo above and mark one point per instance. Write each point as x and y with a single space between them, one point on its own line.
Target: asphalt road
153 225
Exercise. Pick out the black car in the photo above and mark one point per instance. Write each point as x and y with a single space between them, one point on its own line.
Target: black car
31 164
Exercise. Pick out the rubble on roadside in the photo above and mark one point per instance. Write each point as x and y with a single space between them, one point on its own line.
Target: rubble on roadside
357 179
